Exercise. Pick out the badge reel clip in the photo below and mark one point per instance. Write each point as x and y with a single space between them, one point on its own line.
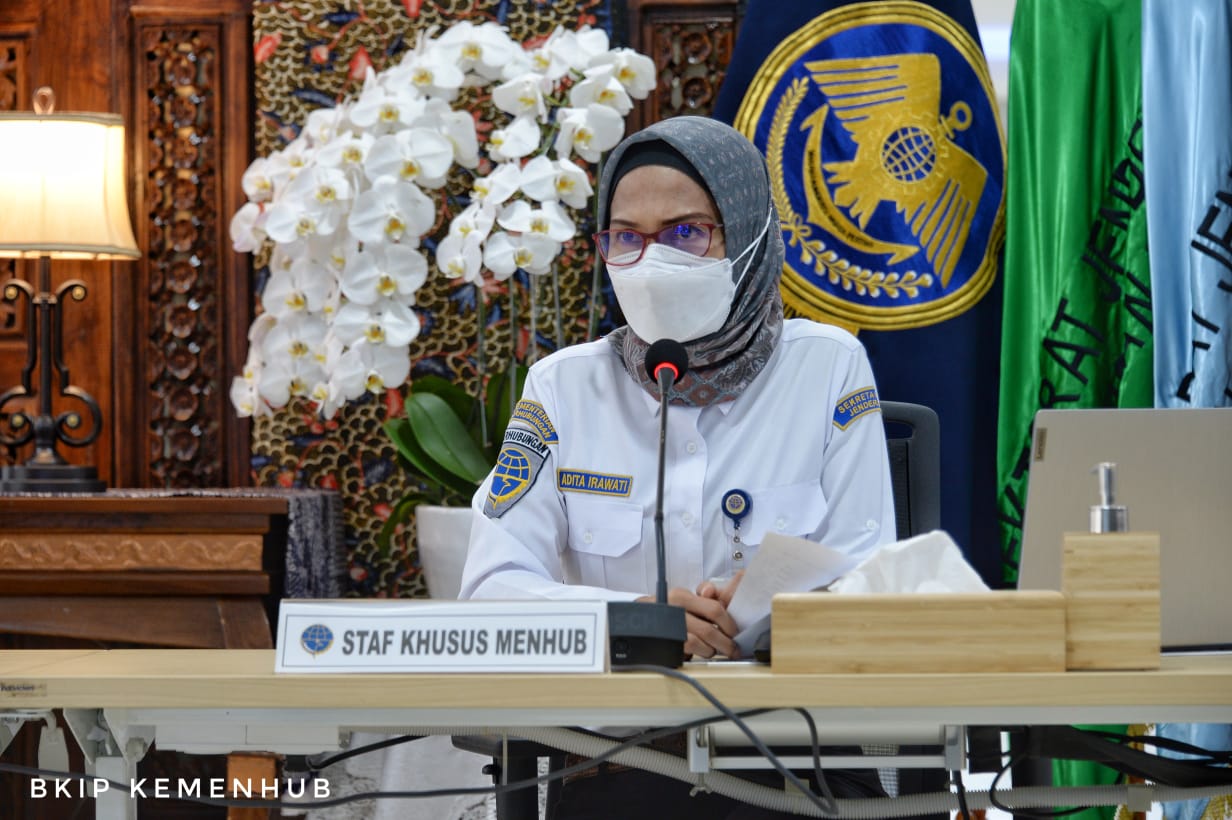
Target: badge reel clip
736 506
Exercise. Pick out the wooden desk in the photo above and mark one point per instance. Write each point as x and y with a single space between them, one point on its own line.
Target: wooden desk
1184 688
211 701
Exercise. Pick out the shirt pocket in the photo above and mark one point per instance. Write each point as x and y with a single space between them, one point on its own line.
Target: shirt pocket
603 533
794 509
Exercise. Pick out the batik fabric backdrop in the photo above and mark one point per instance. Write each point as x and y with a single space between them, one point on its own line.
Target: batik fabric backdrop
311 54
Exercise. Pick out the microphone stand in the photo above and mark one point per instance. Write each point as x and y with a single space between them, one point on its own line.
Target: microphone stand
653 633
665 377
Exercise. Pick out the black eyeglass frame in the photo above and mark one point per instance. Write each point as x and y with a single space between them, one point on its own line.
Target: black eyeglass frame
647 238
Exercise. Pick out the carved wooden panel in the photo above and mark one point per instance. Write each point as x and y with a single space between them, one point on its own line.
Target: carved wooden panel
124 551
14 96
691 44
180 302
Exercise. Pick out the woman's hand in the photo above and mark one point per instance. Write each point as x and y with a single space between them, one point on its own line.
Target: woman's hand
710 628
723 593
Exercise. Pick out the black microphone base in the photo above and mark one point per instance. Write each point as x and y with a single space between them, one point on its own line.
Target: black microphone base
646 633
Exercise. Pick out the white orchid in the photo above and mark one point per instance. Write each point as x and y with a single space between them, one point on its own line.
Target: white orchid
384 272
484 49
505 253
545 180
523 96
385 321
316 202
549 220
352 209
391 211
419 155
589 131
514 141
460 256
601 88
247 228
635 71
382 109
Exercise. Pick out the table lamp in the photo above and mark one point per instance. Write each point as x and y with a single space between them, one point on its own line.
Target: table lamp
62 196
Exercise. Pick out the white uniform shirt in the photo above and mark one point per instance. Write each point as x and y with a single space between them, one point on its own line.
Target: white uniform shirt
803 440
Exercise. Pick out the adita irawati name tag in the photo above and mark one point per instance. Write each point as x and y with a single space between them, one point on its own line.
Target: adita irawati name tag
441 636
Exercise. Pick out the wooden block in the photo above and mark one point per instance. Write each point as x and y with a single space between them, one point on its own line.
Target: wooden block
818 632
1111 587
255 772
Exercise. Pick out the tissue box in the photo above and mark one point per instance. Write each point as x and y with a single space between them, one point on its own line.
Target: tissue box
826 633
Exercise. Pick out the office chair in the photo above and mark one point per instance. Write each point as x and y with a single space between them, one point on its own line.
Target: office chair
913 442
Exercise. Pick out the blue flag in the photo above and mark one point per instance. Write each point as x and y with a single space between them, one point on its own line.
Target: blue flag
1187 124
880 128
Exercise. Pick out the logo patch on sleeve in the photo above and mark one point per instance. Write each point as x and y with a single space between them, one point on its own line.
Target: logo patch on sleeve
521 458
854 405
532 414
585 481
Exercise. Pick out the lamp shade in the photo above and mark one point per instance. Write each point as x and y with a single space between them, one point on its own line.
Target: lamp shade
62 187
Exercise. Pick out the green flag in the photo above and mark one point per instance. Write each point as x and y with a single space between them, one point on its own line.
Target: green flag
1076 327
1076 324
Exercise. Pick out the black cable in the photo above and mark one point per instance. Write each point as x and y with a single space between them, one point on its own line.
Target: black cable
824 804
815 745
256 803
1171 744
1040 815
960 789
315 766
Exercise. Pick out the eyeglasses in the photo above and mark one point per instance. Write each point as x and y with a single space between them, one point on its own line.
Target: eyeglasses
624 246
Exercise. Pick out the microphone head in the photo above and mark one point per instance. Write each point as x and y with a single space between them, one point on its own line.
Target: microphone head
670 354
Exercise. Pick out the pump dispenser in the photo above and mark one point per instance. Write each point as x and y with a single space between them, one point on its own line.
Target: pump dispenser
1107 515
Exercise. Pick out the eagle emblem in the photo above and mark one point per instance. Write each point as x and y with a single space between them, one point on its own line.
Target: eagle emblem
886 161
905 151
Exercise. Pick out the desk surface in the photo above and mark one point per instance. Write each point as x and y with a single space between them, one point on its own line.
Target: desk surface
245 679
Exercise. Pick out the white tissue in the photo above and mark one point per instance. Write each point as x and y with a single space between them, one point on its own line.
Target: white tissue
930 562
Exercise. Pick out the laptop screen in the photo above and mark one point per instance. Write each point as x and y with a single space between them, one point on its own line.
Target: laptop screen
1173 473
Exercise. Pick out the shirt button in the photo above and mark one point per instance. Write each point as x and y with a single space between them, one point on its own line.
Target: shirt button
588 537
687 519
870 524
691 447
780 523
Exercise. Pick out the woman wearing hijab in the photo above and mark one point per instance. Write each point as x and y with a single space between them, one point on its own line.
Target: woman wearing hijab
782 412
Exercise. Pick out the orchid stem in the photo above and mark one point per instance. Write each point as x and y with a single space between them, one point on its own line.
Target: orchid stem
596 281
481 314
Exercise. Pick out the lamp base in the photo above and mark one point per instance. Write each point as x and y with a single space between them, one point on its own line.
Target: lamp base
50 478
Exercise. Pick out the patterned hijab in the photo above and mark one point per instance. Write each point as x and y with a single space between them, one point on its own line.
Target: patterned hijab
724 363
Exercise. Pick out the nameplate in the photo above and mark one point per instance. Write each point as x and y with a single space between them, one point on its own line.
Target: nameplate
441 636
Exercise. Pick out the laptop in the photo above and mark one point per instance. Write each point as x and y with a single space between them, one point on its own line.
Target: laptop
1174 474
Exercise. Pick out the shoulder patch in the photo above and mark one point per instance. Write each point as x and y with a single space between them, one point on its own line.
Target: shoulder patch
521 458
587 481
856 404
533 414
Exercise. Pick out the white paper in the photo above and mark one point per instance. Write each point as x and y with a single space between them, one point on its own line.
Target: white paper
782 564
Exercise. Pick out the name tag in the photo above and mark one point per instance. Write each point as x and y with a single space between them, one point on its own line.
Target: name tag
441 636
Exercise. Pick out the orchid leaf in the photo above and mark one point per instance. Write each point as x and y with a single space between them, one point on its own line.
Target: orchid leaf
500 388
406 439
444 439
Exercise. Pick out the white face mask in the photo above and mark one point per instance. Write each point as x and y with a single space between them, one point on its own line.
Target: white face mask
672 294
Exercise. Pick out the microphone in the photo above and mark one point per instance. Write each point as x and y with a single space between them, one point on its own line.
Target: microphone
653 633
666 357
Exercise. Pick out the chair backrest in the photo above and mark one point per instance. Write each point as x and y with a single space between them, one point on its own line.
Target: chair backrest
913 439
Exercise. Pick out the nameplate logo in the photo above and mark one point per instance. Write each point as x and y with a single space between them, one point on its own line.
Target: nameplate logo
441 636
